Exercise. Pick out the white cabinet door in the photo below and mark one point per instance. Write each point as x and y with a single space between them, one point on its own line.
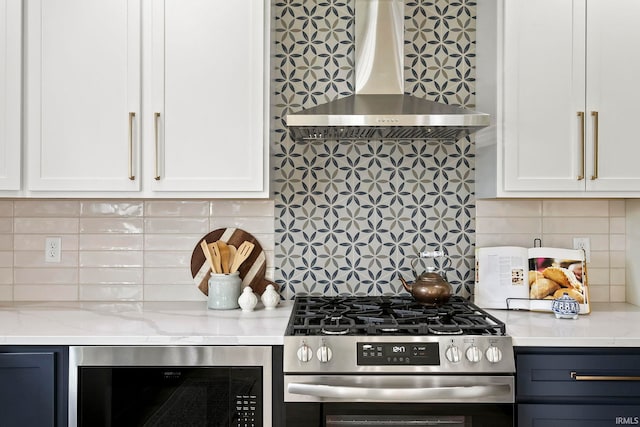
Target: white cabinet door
613 69
544 91
10 86
208 96
83 95
552 73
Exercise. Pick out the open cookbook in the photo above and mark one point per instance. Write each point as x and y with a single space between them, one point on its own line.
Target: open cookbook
510 277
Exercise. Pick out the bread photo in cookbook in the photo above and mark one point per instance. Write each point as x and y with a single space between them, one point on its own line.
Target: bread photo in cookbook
511 277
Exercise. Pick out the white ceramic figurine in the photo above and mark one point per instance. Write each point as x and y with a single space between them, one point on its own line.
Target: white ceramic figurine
270 297
247 300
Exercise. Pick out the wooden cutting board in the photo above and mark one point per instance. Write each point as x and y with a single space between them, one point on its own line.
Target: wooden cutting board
252 270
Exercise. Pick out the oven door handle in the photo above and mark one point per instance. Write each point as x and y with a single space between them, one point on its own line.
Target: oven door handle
400 394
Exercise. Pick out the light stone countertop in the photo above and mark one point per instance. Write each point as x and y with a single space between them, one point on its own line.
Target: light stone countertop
608 325
142 323
191 323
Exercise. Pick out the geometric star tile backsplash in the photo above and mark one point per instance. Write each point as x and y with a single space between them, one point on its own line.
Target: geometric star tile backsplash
350 216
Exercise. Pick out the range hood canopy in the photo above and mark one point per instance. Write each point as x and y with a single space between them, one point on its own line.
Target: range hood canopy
380 109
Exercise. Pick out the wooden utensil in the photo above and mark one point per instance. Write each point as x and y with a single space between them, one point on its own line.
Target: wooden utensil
232 254
207 253
224 256
243 252
252 270
215 255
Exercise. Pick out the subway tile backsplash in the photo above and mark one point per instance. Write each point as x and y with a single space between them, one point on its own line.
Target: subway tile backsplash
116 250
141 251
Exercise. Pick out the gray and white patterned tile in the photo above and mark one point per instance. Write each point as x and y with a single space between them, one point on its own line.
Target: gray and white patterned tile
350 215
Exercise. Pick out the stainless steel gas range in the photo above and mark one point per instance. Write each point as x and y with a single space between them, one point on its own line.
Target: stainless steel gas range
389 361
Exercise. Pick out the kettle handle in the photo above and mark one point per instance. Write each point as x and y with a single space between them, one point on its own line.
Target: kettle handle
432 254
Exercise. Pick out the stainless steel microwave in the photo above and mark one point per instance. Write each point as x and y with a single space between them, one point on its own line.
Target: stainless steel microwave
220 386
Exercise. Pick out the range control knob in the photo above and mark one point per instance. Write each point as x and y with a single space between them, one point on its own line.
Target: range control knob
453 354
473 354
494 354
324 353
305 353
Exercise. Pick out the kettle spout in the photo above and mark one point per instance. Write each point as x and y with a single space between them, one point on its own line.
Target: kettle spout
405 284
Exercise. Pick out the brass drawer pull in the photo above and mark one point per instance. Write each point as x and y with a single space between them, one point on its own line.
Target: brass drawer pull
575 376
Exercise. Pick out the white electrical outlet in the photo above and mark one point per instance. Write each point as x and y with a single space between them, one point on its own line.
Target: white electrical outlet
52 248
583 243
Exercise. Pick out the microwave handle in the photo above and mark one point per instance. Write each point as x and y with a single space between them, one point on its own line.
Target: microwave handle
402 394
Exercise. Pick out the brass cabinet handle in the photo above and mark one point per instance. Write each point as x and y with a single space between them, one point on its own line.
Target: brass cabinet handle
575 376
131 175
156 116
594 114
581 115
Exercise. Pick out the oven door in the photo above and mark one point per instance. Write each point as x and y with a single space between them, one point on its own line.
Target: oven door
395 401
399 415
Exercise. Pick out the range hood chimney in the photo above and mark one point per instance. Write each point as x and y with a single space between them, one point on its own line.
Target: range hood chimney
380 109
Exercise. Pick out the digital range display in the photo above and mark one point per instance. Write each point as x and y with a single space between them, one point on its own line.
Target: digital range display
408 354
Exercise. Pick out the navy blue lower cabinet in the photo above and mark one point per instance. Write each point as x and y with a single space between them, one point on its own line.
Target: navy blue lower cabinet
577 386
33 386
558 415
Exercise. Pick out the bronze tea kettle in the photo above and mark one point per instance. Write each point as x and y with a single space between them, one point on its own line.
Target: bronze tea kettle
429 288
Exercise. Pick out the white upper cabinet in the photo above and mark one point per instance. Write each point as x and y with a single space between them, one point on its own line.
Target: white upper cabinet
10 96
208 95
613 91
83 95
152 98
559 84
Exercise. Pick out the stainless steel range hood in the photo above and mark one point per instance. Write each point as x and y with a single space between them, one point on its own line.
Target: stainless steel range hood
380 109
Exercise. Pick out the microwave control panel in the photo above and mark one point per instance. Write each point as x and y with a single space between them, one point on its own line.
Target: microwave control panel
246 410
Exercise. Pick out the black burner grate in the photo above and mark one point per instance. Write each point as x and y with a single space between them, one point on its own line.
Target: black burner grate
389 315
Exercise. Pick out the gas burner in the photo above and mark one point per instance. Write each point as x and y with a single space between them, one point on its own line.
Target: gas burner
444 331
389 315
336 325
